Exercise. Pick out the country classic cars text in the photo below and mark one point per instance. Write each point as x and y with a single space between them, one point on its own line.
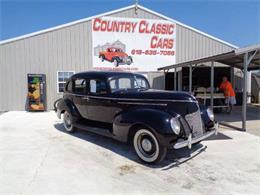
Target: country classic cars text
142 27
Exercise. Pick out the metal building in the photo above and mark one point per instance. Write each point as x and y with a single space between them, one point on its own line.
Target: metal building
68 47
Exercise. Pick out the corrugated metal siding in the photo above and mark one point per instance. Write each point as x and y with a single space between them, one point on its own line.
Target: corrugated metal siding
61 50
70 48
66 49
1 78
192 45
156 80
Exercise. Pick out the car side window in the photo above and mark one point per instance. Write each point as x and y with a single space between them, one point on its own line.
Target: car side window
80 86
97 86
69 87
124 83
140 82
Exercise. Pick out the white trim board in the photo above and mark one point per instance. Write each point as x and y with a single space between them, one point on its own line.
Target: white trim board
109 13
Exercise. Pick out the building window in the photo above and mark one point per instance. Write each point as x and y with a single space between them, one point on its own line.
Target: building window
62 77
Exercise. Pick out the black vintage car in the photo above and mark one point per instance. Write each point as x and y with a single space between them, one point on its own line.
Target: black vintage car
122 106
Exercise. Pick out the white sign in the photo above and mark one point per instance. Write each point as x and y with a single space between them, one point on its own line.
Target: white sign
133 44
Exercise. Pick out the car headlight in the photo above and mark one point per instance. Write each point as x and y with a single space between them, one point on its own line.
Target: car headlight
175 125
210 114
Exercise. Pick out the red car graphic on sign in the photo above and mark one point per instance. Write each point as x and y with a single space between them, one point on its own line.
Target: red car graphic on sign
115 55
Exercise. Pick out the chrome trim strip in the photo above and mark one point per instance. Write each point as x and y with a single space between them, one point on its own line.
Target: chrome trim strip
184 143
131 99
136 103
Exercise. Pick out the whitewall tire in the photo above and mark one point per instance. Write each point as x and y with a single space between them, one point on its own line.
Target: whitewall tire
67 122
147 146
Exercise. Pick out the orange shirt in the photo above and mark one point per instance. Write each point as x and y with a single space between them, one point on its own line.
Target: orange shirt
227 89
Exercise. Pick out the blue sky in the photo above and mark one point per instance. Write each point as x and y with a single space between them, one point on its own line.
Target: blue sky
235 21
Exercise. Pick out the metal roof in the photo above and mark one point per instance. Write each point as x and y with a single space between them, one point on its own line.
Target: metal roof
234 58
104 74
112 12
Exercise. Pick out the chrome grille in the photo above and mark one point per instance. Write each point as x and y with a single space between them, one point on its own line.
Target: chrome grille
195 123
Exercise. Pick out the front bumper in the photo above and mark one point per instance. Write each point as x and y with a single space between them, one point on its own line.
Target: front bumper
184 143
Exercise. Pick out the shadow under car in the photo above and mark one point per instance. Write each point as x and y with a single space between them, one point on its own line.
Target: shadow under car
174 157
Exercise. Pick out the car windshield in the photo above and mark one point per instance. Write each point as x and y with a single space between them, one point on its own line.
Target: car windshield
128 83
118 50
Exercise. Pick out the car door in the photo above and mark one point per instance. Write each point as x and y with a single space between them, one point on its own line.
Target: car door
109 54
79 92
98 102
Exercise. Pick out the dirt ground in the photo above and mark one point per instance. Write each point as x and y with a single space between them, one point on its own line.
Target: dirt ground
38 157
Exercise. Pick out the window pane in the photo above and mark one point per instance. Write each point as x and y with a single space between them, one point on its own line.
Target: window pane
66 79
66 74
93 86
60 74
61 87
63 78
69 86
113 84
98 87
80 86
101 87
141 82
124 83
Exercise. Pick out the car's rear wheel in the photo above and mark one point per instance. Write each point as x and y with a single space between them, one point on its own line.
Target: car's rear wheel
67 122
130 60
102 58
147 146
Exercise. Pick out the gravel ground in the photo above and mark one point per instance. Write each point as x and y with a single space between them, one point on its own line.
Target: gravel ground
38 157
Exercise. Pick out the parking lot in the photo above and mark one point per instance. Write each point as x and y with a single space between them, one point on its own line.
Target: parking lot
234 119
38 157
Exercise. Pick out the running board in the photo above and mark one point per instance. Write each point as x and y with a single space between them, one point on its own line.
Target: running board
97 130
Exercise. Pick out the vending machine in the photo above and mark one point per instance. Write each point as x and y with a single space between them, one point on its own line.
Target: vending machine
36 92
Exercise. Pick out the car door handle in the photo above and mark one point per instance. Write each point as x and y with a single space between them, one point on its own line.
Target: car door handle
86 98
111 101
78 96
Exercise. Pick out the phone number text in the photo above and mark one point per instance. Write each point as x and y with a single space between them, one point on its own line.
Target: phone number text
152 52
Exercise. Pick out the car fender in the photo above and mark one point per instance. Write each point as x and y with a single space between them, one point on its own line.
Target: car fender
115 58
102 54
205 118
156 120
67 105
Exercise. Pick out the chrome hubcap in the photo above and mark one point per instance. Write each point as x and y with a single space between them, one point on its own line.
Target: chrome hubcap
68 119
146 145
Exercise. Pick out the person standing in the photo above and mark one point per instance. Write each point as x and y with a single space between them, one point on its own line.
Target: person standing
230 96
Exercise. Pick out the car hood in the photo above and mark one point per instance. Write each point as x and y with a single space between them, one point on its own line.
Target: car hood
153 94
122 54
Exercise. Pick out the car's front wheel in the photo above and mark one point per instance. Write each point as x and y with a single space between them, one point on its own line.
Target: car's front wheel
116 63
147 146
67 122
